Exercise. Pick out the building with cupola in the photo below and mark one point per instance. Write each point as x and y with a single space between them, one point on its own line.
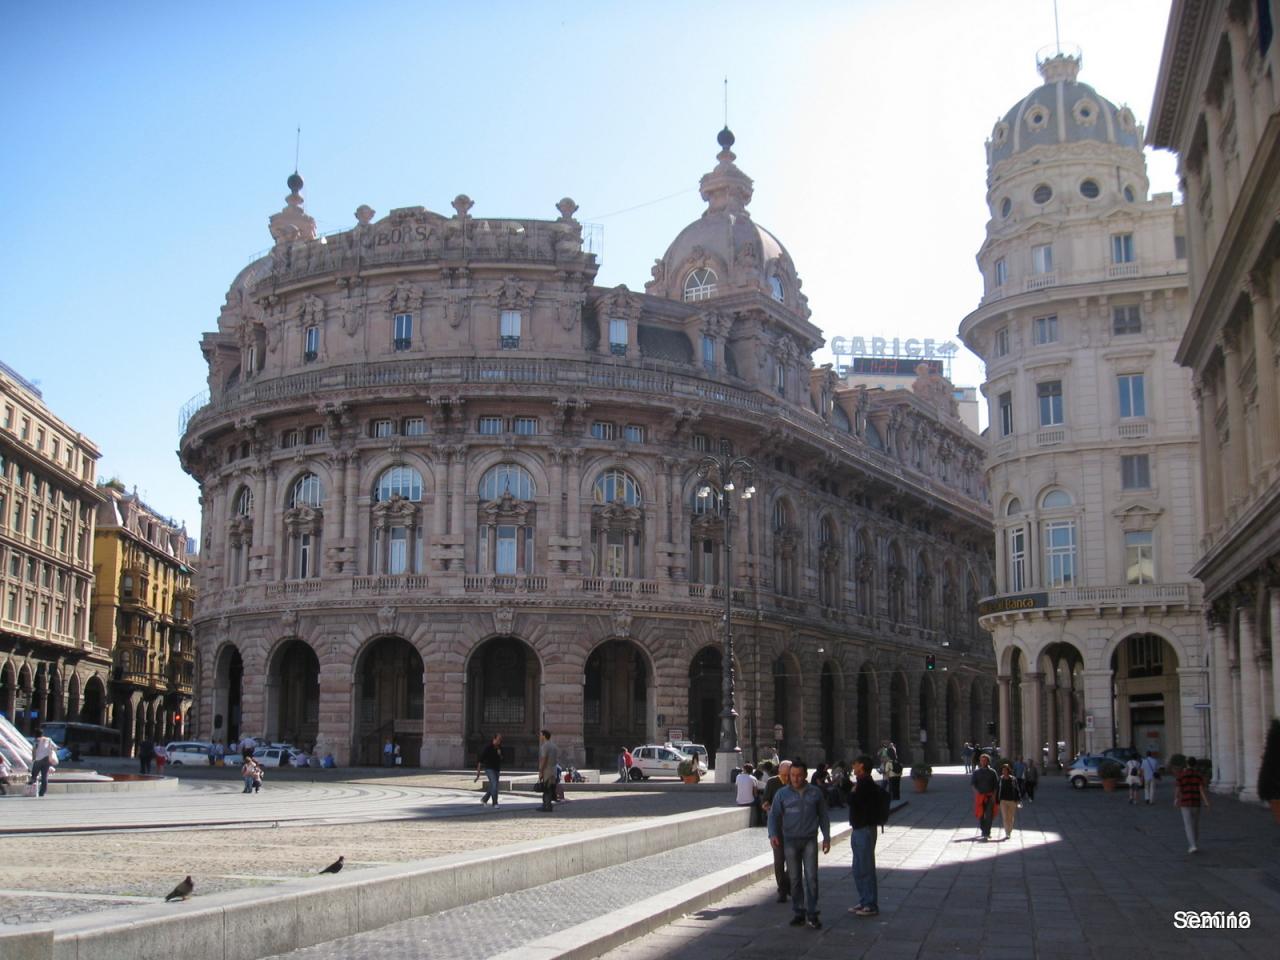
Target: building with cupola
1093 452
451 488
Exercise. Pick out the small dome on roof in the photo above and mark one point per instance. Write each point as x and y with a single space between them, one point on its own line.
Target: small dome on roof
724 250
1062 110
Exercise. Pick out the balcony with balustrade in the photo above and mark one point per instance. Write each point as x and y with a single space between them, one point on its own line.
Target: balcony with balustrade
1095 601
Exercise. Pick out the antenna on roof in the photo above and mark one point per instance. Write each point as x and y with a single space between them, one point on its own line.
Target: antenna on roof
297 141
726 101
1057 39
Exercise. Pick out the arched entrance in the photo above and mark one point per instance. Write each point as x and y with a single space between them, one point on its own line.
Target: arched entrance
23 705
705 700
898 695
293 683
389 701
1147 702
1062 709
787 684
504 690
928 732
73 697
615 702
95 696
828 712
228 686
8 691
868 711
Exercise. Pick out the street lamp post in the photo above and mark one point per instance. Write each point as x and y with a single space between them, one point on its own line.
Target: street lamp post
727 475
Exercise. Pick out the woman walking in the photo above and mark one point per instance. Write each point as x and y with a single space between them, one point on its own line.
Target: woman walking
1133 777
1007 794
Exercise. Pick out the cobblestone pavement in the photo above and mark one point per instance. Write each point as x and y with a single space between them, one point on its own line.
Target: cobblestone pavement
1085 875
147 863
493 926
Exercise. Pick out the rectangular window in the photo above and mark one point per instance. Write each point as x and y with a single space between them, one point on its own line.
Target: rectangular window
489 426
700 442
311 344
1122 248
403 338
12 613
1042 258
1045 329
1133 402
383 428
1002 342
44 614
1126 319
634 433
1135 471
780 379
1017 559
8 417
618 337
1060 553
526 426
40 438
509 330
1002 272
290 438
1180 247
317 434
26 610
398 554
604 430
1049 394
1139 558
414 427
504 560
1006 414
708 352
26 429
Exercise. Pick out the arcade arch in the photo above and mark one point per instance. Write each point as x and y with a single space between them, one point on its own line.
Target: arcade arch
504 695
618 701
389 698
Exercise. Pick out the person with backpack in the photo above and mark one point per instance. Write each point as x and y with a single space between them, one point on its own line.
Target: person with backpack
868 809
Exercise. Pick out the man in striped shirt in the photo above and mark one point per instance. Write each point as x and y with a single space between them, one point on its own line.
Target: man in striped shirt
1189 796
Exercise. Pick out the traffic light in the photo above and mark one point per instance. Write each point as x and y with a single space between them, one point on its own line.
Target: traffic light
930 662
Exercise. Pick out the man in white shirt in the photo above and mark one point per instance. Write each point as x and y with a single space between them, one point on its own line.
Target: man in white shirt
44 756
748 789
1150 773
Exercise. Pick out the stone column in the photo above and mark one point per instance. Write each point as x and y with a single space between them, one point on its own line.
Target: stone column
1097 704
457 489
1191 190
351 504
440 491
1246 137
1210 456
1006 710
1251 719
1223 711
1217 168
555 493
271 565
574 502
1032 730
1268 426
1273 597
1237 451
335 514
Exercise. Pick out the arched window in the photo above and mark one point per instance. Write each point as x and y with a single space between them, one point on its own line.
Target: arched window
924 593
614 485
240 537
244 502
397 527
785 548
302 527
1054 499
700 284
505 536
1014 508
706 538
506 478
617 526
399 481
828 564
306 491
1059 537
896 585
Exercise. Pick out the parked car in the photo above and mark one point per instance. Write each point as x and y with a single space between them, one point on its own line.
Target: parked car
1121 755
188 752
276 756
658 760
1084 770
695 749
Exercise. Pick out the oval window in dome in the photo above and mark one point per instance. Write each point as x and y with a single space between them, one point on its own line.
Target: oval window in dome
700 284
1128 194
775 288
1042 194
1006 207
1089 189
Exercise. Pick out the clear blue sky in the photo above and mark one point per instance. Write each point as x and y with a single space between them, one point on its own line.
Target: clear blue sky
149 142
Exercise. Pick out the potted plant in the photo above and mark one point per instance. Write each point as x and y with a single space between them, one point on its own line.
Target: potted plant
688 770
1269 773
920 774
1110 772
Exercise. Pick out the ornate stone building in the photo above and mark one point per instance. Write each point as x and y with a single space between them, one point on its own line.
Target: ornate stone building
449 489
1093 454
1217 105
143 603
50 666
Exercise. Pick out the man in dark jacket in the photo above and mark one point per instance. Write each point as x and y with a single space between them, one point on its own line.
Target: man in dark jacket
864 807
491 763
984 783
771 788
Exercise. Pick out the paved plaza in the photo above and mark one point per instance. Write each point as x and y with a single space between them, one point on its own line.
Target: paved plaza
1085 874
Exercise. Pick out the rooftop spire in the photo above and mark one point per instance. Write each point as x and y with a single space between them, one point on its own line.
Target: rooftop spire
726 187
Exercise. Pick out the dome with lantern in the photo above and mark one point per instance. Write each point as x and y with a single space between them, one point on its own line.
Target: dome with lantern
724 252
1061 110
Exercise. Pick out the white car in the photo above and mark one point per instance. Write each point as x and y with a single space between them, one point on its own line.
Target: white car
657 760
187 751
276 756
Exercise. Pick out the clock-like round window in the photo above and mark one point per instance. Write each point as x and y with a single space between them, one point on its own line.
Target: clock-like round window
1042 194
1089 189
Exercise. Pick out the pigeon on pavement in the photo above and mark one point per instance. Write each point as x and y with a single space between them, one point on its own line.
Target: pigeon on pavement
335 866
181 891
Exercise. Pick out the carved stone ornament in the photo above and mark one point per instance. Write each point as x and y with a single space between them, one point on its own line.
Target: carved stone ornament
404 297
386 618
618 515
506 508
504 618
462 205
457 307
289 623
866 569
394 512
304 519
351 317
568 312
513 294
621 622
364 214
311 311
